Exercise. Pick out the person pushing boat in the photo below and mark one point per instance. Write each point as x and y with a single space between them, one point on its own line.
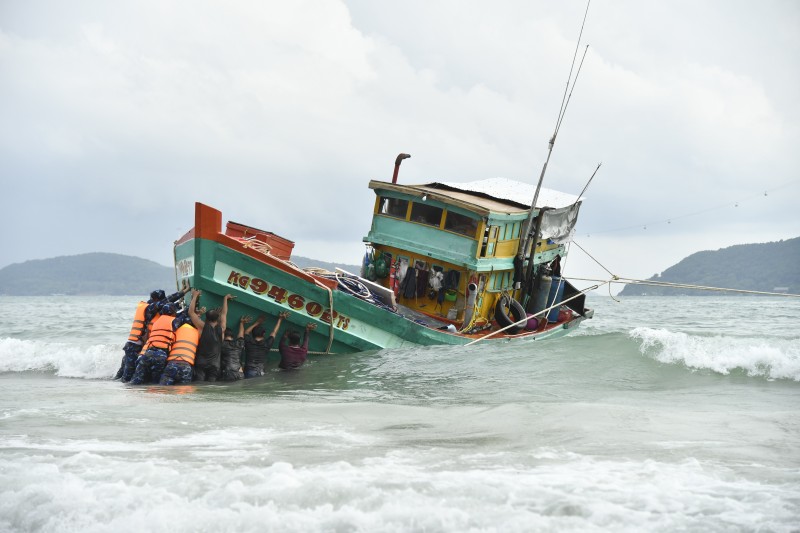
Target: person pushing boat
231 353
294 354
257 346
146 313
207 362
151 363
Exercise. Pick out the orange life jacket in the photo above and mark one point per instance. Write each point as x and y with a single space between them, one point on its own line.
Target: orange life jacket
185 346
161 335
137 329
152 321
149 326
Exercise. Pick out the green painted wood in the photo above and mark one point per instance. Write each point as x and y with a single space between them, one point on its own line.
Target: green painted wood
368 327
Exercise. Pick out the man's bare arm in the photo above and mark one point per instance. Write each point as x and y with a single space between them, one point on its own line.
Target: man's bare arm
260 320
223 314
197 322
281 316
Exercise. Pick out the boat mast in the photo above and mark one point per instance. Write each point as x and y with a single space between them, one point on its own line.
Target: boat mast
530 239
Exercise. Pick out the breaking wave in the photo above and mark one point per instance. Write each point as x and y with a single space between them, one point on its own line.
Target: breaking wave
773 359
400 491
62 359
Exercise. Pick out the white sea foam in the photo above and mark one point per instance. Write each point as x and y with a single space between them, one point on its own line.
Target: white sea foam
65 360
774 359
399 491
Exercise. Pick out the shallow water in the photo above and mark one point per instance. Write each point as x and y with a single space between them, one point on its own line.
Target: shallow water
659 414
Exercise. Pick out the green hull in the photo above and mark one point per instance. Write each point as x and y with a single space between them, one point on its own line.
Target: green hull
263 287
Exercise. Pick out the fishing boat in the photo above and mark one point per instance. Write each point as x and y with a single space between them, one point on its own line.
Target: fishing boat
446 264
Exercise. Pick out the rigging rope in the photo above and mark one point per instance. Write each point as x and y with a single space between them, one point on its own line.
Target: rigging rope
593 258
330 326
634 281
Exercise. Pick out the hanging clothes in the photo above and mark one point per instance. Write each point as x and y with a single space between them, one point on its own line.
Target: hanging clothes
402 269
435 280
452 279
422 282
409 285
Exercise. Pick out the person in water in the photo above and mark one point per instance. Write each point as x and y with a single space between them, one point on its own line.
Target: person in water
257 346
151 363
180 361
231 360
293 354
206 365
144 316
133 347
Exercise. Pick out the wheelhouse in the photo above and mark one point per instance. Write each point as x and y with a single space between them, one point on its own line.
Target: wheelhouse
461 241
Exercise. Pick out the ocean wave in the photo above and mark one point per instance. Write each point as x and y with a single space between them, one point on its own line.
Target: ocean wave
773 359
62 359
87 491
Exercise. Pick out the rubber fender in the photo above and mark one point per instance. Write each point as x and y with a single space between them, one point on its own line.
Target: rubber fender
517 312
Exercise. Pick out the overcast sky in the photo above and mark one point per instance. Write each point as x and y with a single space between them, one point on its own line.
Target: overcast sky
117 116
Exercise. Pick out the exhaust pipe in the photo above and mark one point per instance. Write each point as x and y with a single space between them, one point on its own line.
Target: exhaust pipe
397 162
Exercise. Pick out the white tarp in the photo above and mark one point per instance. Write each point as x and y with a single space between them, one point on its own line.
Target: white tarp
514 191
558 225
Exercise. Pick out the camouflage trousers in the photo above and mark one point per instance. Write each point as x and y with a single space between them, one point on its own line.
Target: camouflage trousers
176 373
128 363
149 366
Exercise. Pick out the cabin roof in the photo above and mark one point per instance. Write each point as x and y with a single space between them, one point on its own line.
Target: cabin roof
514 192
497 195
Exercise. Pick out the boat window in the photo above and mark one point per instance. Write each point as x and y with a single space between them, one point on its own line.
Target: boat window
489 241
393 207
461 224
426 214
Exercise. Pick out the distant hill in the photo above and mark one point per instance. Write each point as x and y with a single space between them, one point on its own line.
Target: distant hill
86 274
101 273
305 262
770 267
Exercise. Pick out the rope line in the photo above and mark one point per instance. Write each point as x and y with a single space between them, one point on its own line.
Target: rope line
593 259
633 281
330 326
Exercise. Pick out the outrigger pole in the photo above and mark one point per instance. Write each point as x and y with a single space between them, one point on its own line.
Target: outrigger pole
529 236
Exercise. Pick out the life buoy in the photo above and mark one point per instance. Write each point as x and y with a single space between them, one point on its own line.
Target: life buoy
517 312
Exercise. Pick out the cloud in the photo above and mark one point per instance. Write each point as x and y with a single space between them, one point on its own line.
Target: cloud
117 117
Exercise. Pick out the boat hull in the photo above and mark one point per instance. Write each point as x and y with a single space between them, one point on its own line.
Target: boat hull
218 264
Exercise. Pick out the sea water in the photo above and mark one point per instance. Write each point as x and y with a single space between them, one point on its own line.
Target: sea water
660 414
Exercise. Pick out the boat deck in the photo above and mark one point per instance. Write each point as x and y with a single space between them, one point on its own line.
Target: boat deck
441 323
422 318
